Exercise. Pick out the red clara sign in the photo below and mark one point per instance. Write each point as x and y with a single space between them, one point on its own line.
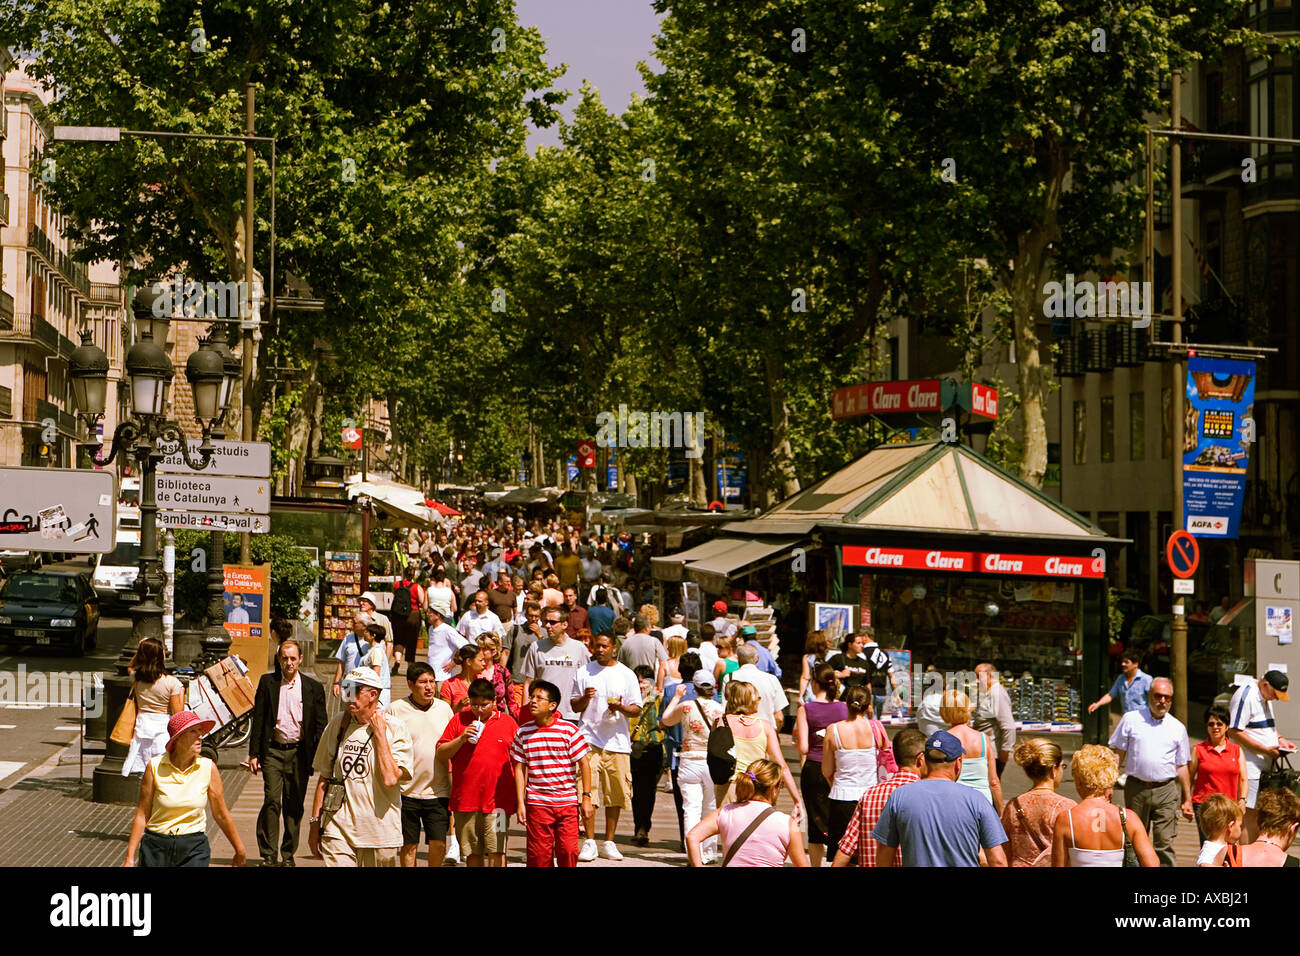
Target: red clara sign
920 559
883 398
984 401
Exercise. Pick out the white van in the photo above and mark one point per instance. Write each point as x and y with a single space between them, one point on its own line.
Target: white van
115 573
128 503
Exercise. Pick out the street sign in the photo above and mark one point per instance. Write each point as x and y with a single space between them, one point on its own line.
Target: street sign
1183 554
1184 586
215 521
247 459
352 438
213 493
586 454
57 509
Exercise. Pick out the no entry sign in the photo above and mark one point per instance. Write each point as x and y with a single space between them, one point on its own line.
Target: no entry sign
1183 554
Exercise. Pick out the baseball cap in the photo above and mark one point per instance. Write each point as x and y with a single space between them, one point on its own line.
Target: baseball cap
364 677
703 679
1279 682
943 747
748 630
720 607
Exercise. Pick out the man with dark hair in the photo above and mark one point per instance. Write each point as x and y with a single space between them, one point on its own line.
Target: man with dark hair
600 615
1131 686
425 795
556 659
707 650
288 719
857 846
577 614
937 821
545 751
477 742
640 648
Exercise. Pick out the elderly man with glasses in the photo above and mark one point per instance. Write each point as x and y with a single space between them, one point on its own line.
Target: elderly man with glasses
1154 750
556 659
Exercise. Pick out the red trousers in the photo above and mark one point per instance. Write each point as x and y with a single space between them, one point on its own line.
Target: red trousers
552 835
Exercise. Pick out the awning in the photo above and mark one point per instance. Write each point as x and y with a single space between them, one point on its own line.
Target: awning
397 506
713 573
714 562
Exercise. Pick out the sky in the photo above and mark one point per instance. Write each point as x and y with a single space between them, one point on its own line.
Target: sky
600 41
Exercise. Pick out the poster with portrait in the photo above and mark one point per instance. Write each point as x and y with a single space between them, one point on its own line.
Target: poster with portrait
247 594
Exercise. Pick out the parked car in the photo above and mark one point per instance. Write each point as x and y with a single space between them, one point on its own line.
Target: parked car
14 560
115 573
49 608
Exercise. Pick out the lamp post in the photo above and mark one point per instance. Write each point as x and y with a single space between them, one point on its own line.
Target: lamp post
142 436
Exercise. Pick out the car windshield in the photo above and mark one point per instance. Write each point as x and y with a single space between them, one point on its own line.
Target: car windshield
127 553
40 587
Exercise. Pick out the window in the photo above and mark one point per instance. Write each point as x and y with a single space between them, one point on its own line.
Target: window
1271 113
1080 433
1108 429
1137 420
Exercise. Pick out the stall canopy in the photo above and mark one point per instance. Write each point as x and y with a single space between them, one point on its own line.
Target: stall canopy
923 487
713 562
396 505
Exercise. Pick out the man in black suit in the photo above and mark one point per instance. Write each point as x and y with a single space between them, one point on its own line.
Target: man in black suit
288 719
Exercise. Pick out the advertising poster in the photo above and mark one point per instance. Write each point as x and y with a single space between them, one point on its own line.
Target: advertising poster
1277 623
733 472
1220 394
247 595
835 619
902 661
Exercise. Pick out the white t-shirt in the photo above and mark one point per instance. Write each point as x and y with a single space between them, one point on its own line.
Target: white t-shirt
675 630
1249 711
371 815
430 776
444 641
607 730
708 655
1209 850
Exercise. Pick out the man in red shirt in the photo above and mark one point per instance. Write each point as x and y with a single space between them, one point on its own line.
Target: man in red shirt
477 743
544 751
909 752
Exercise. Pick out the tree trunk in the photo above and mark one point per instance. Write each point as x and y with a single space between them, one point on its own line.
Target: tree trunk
781 454
1033 260
699 488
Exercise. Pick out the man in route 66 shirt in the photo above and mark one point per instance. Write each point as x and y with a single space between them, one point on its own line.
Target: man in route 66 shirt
373 759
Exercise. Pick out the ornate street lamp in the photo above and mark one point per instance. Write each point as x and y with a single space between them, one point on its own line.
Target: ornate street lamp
143 436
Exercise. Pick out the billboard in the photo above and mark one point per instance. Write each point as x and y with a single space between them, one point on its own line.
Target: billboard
1215 449
248 592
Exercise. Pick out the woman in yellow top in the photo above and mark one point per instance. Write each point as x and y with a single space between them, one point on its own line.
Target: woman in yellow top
755 740
170 826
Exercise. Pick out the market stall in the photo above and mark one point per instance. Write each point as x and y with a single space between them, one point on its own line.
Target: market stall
953 562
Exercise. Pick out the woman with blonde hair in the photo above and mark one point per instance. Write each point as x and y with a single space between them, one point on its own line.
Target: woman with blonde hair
979 769
752 831
755 739
1030 819
1279 818
651 615
157 696
1094 831
670 669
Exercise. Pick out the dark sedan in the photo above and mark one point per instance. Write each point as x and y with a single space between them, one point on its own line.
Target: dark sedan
48 608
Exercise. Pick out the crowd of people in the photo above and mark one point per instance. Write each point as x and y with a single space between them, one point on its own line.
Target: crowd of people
563 703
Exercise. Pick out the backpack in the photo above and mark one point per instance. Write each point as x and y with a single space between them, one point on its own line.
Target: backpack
720 754
403 607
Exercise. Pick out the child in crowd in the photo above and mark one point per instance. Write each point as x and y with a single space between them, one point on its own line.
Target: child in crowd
1221 820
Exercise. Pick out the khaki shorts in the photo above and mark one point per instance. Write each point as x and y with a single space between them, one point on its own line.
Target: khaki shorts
613 779
343 853
481 833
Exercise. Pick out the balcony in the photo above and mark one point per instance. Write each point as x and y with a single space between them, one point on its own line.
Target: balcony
32 330
1211 167
106 293
74 272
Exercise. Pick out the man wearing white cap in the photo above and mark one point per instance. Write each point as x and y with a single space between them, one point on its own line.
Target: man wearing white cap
363 757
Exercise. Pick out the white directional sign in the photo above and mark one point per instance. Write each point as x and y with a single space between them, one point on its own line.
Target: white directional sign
57 509
214 521
247 459
213 493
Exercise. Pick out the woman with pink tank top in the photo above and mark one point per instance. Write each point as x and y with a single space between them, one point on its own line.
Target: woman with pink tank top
752 831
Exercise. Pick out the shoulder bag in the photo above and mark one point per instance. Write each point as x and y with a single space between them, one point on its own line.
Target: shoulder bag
747 833
1130 854
1280 775
720 753
124 730
334 786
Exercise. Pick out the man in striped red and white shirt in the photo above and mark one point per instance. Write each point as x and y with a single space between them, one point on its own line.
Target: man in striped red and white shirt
545 751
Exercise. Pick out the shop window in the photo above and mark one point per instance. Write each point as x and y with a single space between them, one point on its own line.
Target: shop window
1081 433
1108 429
1136 427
